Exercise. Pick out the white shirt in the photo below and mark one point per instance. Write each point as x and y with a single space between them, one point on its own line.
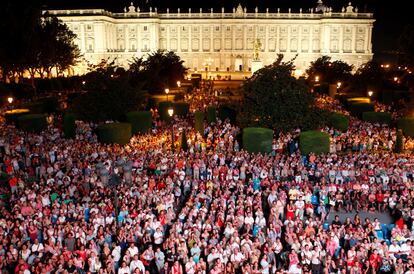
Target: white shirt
124 270
133 250
137 264
158 237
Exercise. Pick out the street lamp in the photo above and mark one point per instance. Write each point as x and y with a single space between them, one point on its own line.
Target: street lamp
167 90
338 85
316 78
10 100
178 84
171 113
370 93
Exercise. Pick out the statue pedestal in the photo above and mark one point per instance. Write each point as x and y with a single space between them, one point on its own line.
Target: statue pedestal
256 65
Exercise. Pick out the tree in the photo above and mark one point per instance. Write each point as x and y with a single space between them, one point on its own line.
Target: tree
329 71
34 42
110 99
369 76
18 26
273 98
160 70
406 46
57 48
184 145
109 104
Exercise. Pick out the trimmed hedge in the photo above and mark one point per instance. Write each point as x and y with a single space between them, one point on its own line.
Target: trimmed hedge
377 117
118 133
314 141
32 122
69 125
406 124
199 121
211 114
45 105
358 108
163 110
339 121
181 109
11 116
399 144
257 140
141 121
225 112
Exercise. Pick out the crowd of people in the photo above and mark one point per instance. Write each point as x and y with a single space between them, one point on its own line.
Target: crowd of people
211 209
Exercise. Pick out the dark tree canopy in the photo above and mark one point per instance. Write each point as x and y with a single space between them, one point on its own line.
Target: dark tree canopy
329 71
273 98
406 46
369 76
34 42
111 93
159 70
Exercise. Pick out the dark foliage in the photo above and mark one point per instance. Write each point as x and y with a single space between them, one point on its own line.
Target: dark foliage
257 140
273 98
329 71
158 71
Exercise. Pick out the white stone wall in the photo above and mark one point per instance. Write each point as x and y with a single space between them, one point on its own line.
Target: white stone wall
221 42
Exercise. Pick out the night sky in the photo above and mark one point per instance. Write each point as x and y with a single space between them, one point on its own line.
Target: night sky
391 16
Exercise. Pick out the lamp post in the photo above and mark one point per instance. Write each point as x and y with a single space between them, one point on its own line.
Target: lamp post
167 90
370 93
178 84
10 100
171 113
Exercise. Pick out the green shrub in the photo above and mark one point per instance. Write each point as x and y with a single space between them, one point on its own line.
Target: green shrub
32 122
181 109
184 144
406 124
358 108
50 104
399 144
34 107
339 121
11 116
199 121
314 141
69 125
257 140
45 105
141 121
377 117
163 110
118 133
211 114
226 112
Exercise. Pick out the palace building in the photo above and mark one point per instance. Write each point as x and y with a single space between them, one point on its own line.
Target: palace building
222 42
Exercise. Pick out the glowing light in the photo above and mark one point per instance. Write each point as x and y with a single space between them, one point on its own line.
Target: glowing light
167 90
83 82
316 78
178 84
170 112
10 100
370 93
338 85
395 79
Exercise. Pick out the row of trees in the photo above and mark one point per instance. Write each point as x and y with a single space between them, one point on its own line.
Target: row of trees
113 91
33 42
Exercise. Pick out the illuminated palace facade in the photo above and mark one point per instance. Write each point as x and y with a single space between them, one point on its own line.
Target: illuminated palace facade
220 41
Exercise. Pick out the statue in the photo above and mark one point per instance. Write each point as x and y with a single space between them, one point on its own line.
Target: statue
257 49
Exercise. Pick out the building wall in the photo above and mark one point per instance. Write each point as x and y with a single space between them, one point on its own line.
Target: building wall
221 42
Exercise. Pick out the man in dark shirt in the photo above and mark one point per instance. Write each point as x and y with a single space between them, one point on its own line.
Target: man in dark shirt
336 223
70 267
